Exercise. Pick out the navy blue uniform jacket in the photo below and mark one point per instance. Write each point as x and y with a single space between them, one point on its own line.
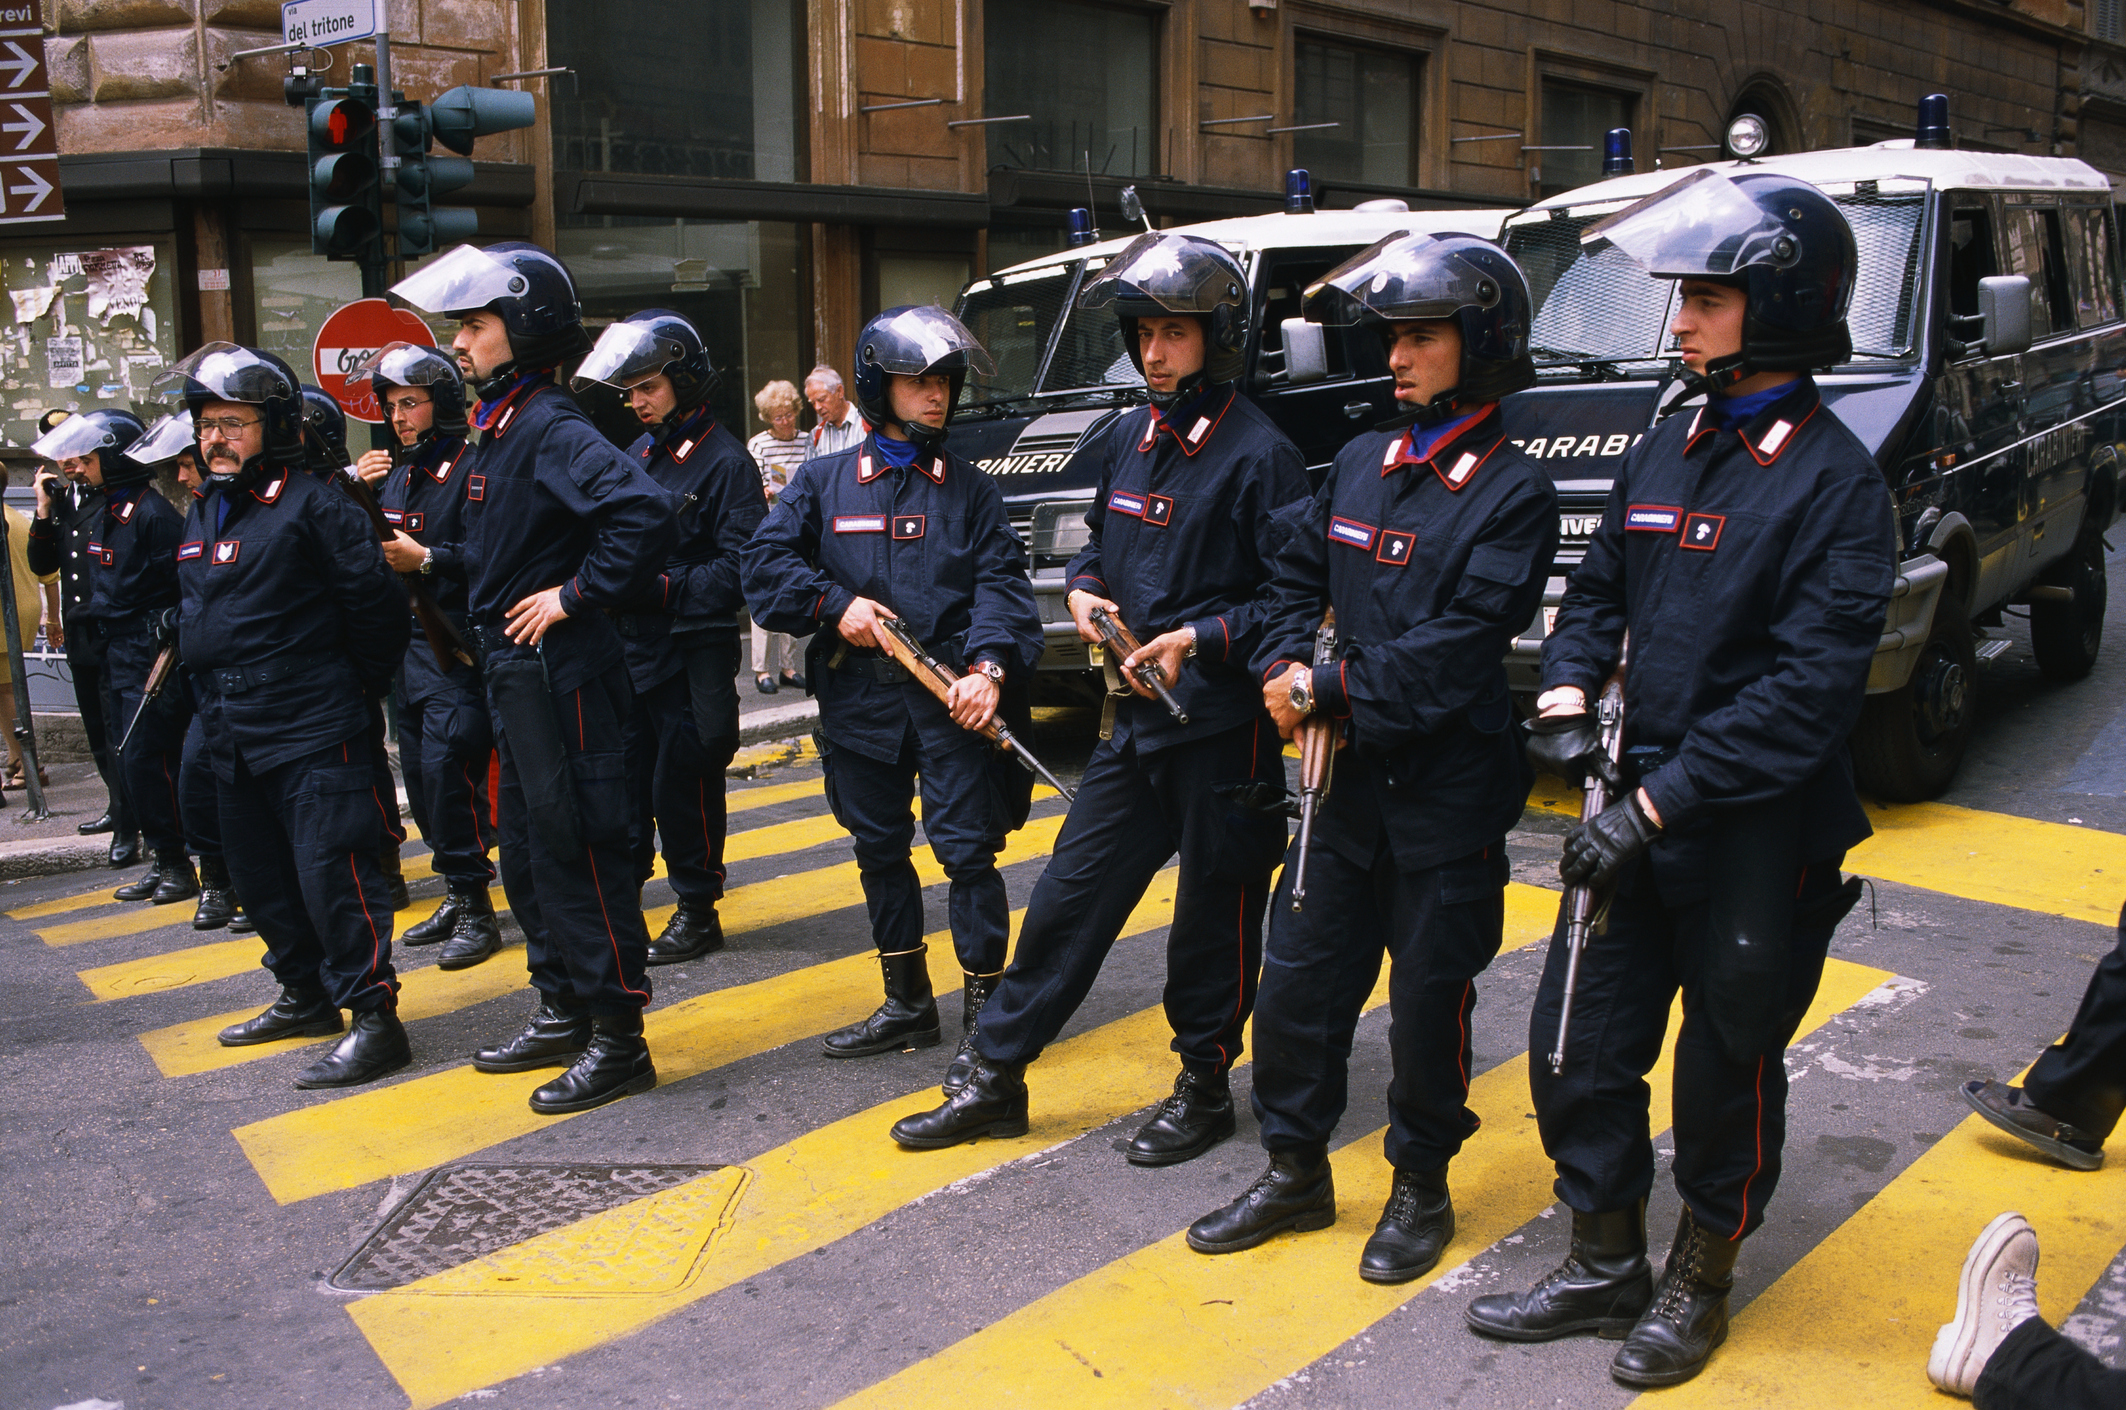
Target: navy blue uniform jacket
1182 536
555 504
294 581
715 490
1752 568
932 543
132 557
424 498
1433 566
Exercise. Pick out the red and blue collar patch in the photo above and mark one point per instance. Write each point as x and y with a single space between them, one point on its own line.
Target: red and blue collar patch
269 491
1454 470
1199 429
869 467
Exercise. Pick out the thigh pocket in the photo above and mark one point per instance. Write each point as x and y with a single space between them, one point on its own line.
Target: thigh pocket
341 811
1475 878
462 727
601 793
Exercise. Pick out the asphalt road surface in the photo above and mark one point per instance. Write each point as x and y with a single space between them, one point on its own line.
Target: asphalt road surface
185 1229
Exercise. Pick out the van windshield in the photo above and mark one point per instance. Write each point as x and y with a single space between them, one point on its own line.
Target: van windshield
1017 317
1602 308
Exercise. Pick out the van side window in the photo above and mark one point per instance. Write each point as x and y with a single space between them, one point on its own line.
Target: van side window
1285 277
2090 267
1970 258
2036 249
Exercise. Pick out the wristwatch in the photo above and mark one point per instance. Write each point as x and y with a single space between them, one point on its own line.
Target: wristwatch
1303 692
992 670
428 565
1191 652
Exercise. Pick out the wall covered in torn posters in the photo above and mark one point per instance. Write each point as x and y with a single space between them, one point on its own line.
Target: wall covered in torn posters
85 327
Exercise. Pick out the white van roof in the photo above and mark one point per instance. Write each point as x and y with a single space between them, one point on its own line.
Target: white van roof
1999 171
1277 230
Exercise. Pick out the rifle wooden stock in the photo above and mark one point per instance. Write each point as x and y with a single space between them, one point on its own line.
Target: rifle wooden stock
1122 644
1317 761
937 678
442 633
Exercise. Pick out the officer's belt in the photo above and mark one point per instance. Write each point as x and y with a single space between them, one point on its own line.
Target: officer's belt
883 669
638 626
235 680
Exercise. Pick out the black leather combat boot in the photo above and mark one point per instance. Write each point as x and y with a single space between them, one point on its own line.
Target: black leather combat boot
239 922
297 1013
374 1046
693 931
615 1065
97 826
174 878
554 1036
991 1102
1414 1228
1602 1286
1197 1115
125 849
1688 1319
1296 1192
217 903
436 929
906 1021
474 934
973 995
144 888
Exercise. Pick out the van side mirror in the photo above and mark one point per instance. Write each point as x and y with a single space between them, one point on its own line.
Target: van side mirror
2004 314
1306 352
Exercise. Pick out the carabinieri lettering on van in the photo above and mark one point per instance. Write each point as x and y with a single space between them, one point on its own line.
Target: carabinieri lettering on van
1553 447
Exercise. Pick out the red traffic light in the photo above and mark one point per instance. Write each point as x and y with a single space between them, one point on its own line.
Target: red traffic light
340 124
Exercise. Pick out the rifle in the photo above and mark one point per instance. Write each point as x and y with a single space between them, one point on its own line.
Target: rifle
1581 912
1119 643
937 678
442 633
158 677
1317 760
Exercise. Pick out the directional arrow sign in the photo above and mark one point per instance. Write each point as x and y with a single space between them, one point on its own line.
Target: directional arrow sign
29 121
20 62
29 190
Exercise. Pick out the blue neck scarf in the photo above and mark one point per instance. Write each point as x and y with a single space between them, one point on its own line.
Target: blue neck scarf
899 454
1732 413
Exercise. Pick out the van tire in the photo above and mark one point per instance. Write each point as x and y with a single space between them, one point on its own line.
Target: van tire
2065 636
1910 741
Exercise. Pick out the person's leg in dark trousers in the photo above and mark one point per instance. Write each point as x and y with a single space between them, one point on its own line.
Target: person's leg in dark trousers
963 820
85 663
874 800
444 743
387 792
201 812
687 797
261 862
2081 1079
413 771
2035 1368
639 748
151 762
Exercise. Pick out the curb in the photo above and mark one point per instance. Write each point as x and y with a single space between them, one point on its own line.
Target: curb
778 721
50 856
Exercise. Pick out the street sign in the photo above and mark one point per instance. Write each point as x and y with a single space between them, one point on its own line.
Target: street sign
353 332
322 22
29 145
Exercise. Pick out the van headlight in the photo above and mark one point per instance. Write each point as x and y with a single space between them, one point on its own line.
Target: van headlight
1059 528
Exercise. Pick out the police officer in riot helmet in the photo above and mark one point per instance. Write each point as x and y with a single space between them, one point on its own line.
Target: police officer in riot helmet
291 626
324 433
900 527
133 599
567 529
681 640
445 735
1738 579
1180 548
1431 541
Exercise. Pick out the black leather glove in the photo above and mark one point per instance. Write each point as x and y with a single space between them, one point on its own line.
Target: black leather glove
1570 746
1596 851
1258 796
164 626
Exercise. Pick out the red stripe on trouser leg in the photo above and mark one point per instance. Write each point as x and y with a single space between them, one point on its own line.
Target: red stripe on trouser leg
1745 1221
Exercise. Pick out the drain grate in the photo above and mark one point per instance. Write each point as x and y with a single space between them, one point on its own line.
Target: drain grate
465 1212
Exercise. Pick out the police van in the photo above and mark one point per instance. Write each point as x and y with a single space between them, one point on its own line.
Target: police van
1988 349
1062 373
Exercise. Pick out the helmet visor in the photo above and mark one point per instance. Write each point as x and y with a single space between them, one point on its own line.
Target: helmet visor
1704 225
1402 277
75 437
166 440
402 365
625 354
462 280
912 341
1179 274
226 372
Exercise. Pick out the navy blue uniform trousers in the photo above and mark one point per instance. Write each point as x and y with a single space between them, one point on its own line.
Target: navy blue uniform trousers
154 756
1133 813
1730 1117
2081 1079
199 794
445 741
85 663
963 818
677 778
2035 1368
301 842
584 938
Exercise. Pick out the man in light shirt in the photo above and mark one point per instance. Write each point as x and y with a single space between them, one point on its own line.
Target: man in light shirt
840 426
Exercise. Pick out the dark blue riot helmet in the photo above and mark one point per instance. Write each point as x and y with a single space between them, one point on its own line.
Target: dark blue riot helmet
1161 273
910 342
412 365
1781 241
226 372
527 287
324 433
1408 278
107 435
646 344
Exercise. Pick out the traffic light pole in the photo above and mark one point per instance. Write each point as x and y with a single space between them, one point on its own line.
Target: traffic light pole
373 269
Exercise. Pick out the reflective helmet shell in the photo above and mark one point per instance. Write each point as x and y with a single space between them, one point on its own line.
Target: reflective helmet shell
649 343
226 372
109 435
412 365
1161 272
324 432
911 341
1408 277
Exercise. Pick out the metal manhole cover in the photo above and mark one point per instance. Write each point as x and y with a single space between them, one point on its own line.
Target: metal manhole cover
463 1213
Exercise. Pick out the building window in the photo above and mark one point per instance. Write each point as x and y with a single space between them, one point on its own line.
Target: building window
1575 120
715 96
1371 97
1089 76
2105 18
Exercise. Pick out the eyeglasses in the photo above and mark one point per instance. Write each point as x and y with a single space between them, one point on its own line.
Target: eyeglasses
227 427
406 404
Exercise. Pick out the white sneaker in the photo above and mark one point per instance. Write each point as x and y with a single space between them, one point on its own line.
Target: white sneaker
1996 1294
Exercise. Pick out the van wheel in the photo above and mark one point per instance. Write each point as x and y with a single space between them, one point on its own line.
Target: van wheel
1910 741
2064 636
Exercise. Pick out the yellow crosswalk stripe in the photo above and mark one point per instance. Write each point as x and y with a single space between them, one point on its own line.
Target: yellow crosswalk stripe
80 900
1168 1326
739 800
518 1309
411 1125
1852 1322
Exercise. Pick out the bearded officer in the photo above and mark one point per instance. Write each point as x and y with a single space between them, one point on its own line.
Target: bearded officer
291 631
682 640
1747 552
445 738
899 526
1431 541
564 528
1180 548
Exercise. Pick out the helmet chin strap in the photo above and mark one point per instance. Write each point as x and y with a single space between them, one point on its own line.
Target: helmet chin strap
1166 401
1721 375
924 437
1436 412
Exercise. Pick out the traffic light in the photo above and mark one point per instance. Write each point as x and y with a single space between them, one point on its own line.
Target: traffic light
465 113
419 178
346 199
